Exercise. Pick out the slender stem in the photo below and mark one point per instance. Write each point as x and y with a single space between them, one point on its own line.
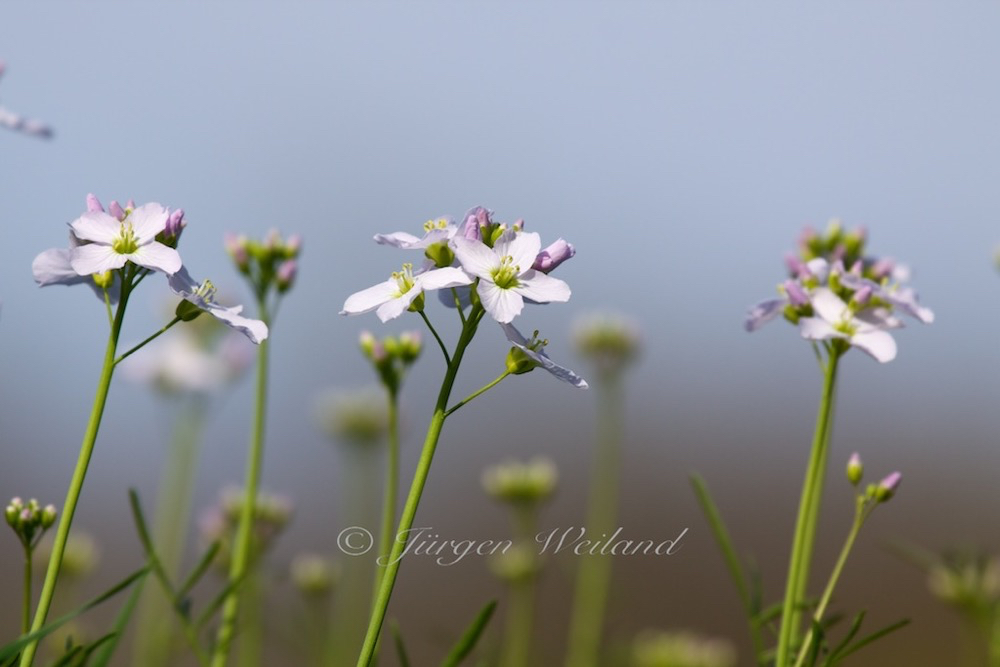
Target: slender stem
79 474
862 513
481 390
416 491
444 350
391 493
148 340
458 305
242 547
521 603
107 306
593 580
805 526
26 605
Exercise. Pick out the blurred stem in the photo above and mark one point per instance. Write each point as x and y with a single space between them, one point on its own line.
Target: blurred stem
805 526
251 636
155 623
244 535
389 500
26 603
416 490
594 575
80 472
863 511
521 605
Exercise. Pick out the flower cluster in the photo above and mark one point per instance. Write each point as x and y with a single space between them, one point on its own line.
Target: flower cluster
836 292
267 263
218 524
681 649
112 250
520 483
29 520
479 262
19 123
357 416
391 355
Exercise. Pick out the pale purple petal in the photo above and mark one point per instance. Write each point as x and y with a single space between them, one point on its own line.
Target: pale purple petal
94 204
442 278
814 328
53 267
828 305
476 258
369 299
96 226
522 247
542 288
503 305
543 360
395 307
553 255
448 299
255 330
157 257
879 344
397 239
182 283
147 221
763 312
95 258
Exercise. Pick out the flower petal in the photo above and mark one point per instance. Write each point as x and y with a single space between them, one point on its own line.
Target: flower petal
542 288
255 330
395 307
147 221
95 258
476 258
182 283
96 226
828 305
763 312
157 257
53 267
449 276
815 328
369 299
543 360
879 344
448 299
523 248
397 240
503 305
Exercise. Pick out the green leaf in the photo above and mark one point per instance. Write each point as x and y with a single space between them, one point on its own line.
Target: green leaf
468 640
819 639
118 629
851 633
15 646
79 655
723 540
200 569
860 644
397 639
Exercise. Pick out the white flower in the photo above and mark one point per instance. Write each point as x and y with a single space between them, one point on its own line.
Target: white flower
186 363
535 350
53 267
114 242
391 298
865 330
505 274
203 296
441 229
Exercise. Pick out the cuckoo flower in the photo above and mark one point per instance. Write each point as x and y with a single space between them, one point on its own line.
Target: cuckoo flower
505 274
864 330
114 242
202 295
441 229
531 354
402 291
892 293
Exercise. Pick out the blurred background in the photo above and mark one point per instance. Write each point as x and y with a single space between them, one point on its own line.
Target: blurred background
680 147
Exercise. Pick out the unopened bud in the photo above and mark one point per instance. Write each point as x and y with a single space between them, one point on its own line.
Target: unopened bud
285 277
115 209
886 489
855 469
552 256
104 280
49 514
94 204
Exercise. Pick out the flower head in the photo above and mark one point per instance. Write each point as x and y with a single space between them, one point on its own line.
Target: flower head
402 291
526 355
518 483
865 330
113 242
506 276
202 295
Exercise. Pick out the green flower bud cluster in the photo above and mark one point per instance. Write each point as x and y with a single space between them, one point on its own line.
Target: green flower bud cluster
312 574
521 483
359 417
29 520
681 649
271 515
835 243
80 557
272 262
610 342
391 356
517 563
969 581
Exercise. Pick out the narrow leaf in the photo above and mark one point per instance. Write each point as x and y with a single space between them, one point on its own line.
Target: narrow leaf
118 629
860 644
199 570
723 540
468 640
397 639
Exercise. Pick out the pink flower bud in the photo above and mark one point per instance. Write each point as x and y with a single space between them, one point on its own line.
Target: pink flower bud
286 274
796 295
115 209
863 295
175 224
887 487
554 255
94 204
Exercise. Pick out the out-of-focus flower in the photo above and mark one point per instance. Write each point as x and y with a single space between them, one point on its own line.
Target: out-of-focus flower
681 649
81 557
202 295
404 290
526 355
609 341
518 562
19 123
313 574
435 231
359 416
506 276
517 482
272 512
866 330
967 580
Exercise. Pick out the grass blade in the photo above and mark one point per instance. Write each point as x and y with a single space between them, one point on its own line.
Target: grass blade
468 640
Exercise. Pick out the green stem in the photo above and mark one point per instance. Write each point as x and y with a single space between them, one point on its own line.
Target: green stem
805 526
444 350
416 491
458 305
481 390
244 535
594 576
148 340
251 636
391 492
521 604
26 604
79 474
864 510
